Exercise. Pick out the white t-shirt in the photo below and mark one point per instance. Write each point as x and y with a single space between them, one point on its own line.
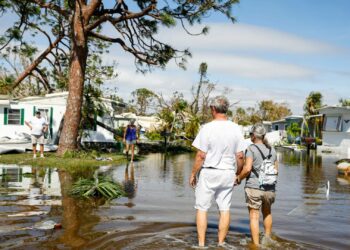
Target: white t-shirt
37 125
220 140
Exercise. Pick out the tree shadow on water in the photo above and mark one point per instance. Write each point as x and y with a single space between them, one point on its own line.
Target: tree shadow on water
77 214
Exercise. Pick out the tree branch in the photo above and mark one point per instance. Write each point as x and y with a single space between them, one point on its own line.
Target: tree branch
36 62
41 30
138 54
127 15
51 6
99 21
90 9
44 81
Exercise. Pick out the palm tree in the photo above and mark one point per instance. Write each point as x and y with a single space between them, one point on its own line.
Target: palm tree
312 103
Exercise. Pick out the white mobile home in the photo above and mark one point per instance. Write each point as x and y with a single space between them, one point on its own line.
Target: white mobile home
14 113
336 130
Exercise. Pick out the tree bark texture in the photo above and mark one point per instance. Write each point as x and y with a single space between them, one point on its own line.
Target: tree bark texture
69 135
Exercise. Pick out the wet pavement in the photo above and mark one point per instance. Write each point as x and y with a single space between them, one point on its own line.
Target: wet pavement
158 210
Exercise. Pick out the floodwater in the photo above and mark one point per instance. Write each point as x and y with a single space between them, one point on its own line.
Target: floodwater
158 212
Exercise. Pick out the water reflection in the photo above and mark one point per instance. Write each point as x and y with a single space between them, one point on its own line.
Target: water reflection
158 213
70 216
129 181
35 183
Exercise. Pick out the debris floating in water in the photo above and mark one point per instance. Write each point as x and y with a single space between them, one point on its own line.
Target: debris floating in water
328 188
103 159
47 225
31 213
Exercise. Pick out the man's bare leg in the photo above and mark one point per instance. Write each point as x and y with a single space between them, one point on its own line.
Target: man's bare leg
224 224
41 150
34 150
201 220
254 225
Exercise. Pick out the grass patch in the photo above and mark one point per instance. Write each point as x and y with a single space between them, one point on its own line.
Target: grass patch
69 162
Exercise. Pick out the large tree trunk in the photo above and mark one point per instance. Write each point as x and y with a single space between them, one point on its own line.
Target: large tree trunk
68 139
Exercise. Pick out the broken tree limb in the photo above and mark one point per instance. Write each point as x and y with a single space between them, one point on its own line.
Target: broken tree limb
35 63
108 128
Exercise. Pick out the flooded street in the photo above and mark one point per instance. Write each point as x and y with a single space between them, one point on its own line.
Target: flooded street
158 210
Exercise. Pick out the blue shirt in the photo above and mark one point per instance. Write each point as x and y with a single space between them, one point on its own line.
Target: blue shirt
130 133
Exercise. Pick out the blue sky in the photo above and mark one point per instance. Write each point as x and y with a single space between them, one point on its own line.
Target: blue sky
278 49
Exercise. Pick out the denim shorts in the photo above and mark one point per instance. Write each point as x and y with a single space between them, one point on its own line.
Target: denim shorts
130 142
214 184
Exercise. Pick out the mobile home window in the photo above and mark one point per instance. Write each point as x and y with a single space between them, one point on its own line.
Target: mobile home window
14 117
346 124
332 123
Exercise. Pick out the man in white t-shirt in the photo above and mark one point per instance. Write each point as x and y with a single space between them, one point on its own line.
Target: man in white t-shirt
38 127
220 146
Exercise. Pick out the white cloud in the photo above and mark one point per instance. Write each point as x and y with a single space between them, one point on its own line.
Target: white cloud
158 81
251 67
247 38
249 97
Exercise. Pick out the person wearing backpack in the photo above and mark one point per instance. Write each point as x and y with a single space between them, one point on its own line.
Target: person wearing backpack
260 170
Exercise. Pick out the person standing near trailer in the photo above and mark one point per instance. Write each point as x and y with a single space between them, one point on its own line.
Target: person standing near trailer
38 126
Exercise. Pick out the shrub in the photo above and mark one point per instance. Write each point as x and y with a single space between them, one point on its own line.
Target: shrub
154 136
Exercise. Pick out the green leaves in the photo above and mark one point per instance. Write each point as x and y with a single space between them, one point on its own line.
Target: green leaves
294 130
142 98
313 102
344 102
5 82
104 187
167 20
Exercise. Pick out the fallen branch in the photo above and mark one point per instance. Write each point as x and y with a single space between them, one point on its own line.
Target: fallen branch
35 63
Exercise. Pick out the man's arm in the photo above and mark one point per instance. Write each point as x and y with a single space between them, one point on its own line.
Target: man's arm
240 162
276 166
200 157
28 124
45 127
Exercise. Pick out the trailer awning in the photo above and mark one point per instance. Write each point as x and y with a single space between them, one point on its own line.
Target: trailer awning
4 102
312 116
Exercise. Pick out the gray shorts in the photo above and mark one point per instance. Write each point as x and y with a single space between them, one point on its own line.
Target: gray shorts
214 184
255 198
37 139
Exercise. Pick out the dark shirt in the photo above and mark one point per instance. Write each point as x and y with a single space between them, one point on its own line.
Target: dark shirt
130 133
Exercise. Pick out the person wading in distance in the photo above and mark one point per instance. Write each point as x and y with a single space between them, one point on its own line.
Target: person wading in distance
130 138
